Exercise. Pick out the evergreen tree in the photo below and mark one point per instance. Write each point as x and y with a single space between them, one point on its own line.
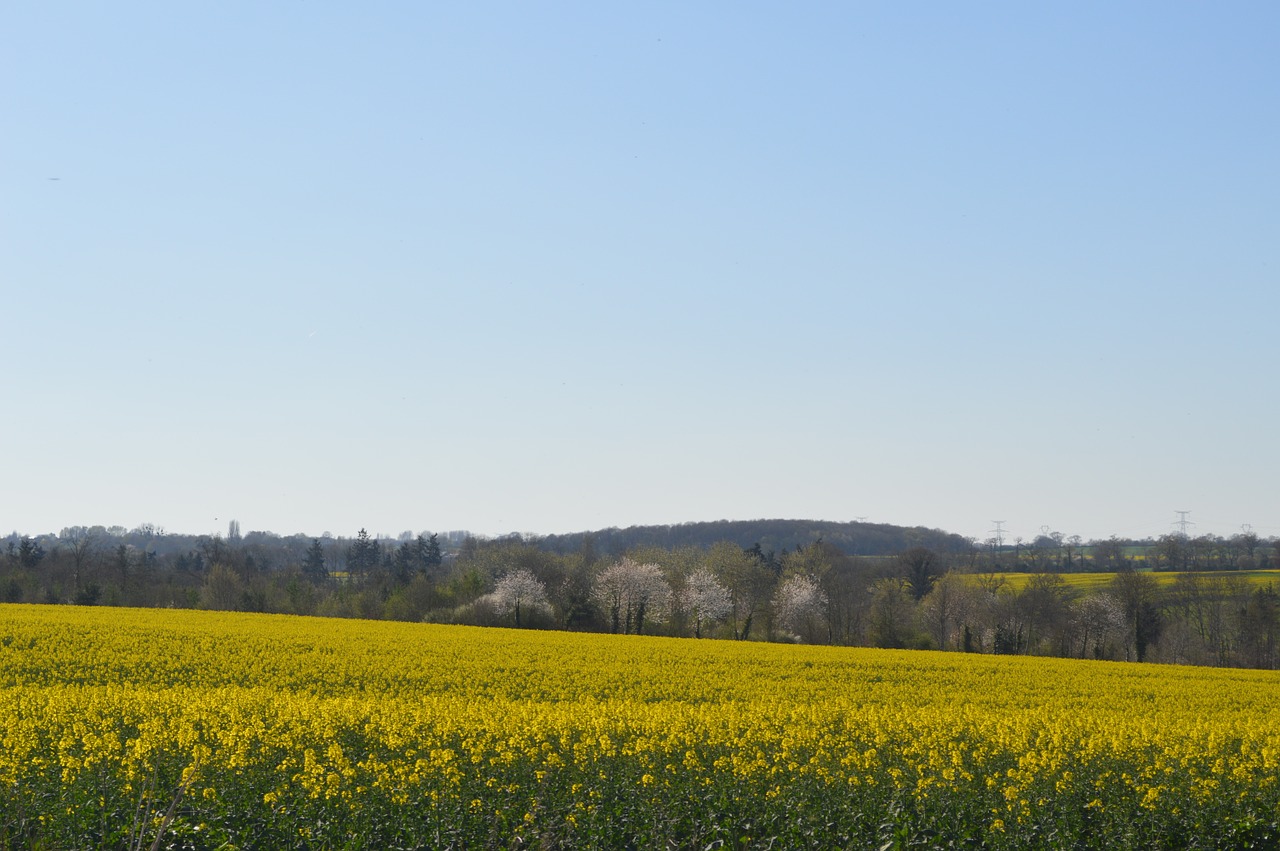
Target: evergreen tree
434 558
428 552
30 553
313 566
365 554
406 562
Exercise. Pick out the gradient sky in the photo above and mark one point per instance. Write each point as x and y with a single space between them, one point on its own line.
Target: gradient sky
547 267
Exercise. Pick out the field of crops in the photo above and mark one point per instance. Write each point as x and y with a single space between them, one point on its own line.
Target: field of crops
214 730
1103 581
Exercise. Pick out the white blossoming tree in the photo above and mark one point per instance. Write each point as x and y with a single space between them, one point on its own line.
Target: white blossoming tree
799 607
1100 623
705 599
630 593
517 592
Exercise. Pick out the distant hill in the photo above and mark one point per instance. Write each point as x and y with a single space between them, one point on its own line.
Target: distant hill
863 539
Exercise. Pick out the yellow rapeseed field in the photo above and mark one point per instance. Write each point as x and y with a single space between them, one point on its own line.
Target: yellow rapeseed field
214 730
1088 582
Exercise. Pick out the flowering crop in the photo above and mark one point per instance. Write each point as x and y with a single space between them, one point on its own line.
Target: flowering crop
1164 578
214 730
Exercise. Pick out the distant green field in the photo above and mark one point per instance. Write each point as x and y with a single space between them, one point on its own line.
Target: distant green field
1100 581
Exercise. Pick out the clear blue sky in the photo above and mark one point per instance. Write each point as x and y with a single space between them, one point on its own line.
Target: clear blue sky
547 267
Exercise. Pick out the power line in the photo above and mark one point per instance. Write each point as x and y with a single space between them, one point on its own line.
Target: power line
1182 522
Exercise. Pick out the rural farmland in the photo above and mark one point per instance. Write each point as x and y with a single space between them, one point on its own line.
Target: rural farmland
131 728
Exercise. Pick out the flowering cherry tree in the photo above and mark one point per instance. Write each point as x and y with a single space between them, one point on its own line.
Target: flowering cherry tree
629 593
518 591
800 606
706 600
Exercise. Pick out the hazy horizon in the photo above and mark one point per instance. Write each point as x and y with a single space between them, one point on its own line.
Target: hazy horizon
1008 536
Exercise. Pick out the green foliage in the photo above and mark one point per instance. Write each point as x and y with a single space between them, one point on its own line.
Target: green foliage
30 553
1221 617
364 555
314 566
778 536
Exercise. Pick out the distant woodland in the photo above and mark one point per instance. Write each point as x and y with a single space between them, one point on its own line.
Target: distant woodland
1175 599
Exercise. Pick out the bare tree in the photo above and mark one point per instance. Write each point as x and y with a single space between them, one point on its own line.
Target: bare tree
83 543
848 588
1074 544
1108 554
1138 593
1171 552
1259 624
947 609
1045 614
1247 541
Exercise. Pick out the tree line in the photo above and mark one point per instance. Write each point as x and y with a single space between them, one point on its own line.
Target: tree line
919 597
